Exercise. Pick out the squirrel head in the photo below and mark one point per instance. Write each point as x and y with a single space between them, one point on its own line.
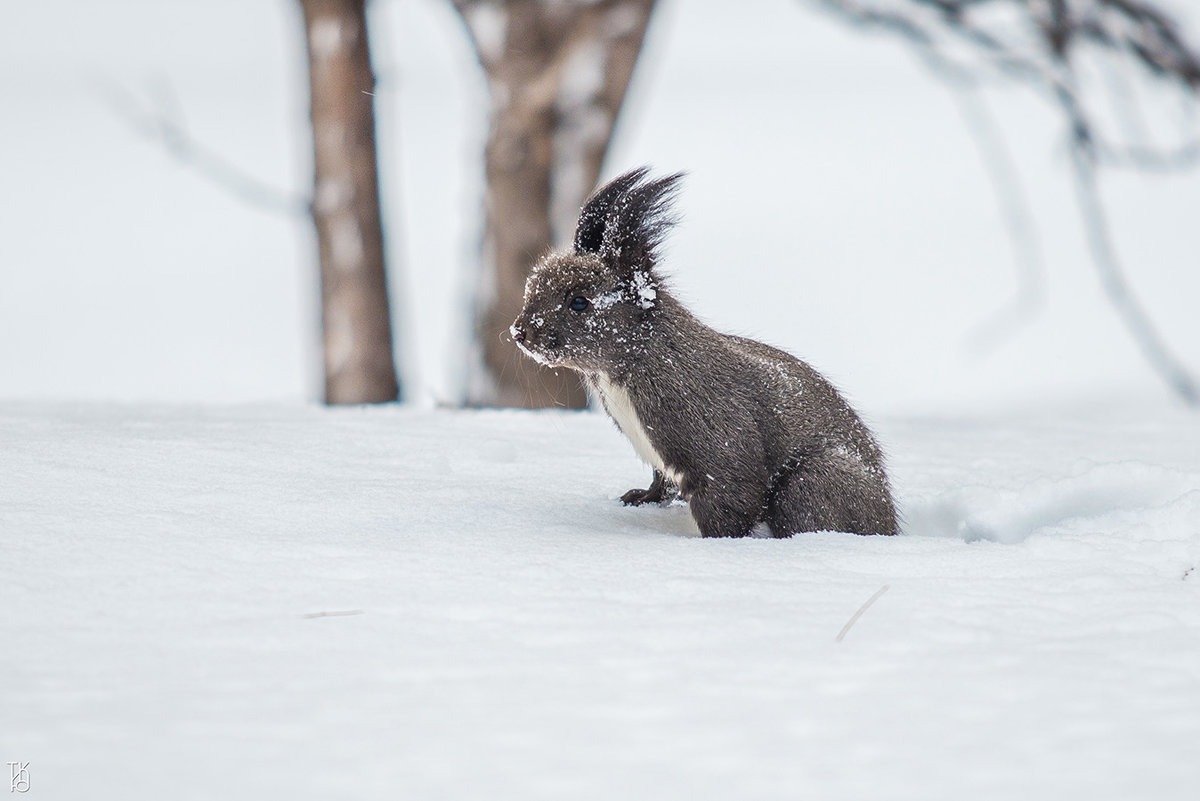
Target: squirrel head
588 307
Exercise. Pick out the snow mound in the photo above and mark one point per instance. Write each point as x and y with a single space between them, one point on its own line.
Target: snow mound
1104 497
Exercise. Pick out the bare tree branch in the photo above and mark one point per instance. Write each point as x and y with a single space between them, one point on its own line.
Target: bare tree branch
957 35
998 164
161 121
1112 277
1026 250
959 42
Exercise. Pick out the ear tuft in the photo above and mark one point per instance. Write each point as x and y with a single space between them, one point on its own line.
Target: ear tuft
639 217
589 232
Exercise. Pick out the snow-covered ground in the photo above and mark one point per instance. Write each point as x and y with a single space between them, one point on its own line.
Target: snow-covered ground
292 602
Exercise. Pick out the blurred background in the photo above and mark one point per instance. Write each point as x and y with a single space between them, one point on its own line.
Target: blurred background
842 202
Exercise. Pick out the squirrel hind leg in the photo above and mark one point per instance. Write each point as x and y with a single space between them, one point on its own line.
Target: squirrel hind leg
723 516
817 496
662 491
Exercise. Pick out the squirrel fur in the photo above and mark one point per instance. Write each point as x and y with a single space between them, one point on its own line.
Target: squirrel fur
742 431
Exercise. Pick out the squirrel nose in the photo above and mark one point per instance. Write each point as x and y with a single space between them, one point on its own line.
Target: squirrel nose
518 334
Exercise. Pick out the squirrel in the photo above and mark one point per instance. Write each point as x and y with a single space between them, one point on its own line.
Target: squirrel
742 431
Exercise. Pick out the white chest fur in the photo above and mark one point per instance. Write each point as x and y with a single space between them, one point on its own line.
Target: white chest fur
620 407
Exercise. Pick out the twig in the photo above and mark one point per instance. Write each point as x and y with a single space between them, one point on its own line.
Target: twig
1047 63
1117 288
1183 157
1027 258
854 618
994 154
163 125
347 613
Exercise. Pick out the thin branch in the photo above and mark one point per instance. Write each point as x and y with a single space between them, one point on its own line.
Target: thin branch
1139 154
1116 286
999 166
1150 159
1083 155
344 613
854 618
1047 64
1131 27
1026 250
164 125
1125 103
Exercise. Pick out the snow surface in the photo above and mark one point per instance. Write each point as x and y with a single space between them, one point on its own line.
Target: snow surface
498 626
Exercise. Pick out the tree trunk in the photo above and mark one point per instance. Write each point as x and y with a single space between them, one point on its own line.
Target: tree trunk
359 367
557 74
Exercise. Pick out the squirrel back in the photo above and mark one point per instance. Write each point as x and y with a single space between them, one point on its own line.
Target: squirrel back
744 432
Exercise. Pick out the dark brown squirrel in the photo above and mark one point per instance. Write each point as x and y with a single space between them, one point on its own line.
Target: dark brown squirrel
742 431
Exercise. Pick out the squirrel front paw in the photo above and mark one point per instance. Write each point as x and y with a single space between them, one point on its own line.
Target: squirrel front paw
661 491
636 497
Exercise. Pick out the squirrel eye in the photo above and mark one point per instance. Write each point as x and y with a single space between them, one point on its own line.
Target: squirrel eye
579 303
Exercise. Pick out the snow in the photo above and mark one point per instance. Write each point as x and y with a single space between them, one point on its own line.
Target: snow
644 287
606 300
292 602
242 596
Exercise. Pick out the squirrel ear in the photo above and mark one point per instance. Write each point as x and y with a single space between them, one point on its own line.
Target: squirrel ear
638 220
589 232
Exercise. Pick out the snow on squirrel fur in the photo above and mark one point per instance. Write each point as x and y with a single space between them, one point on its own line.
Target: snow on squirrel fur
742 431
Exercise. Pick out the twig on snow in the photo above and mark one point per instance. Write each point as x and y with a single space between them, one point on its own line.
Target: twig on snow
854 618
